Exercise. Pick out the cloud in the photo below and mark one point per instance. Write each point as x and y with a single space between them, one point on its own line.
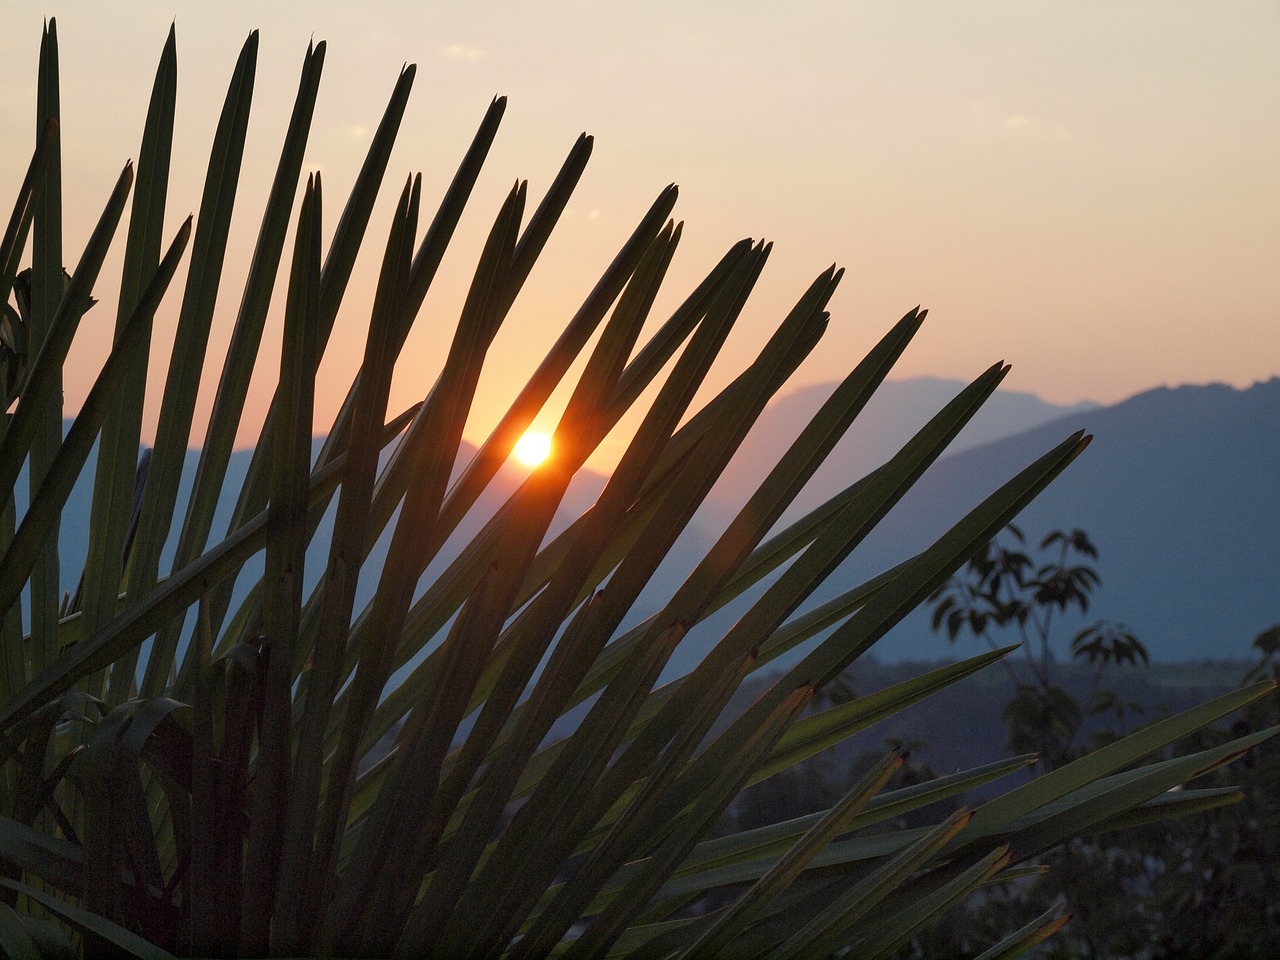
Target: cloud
460 51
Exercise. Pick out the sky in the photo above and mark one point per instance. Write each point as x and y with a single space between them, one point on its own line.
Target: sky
1088 191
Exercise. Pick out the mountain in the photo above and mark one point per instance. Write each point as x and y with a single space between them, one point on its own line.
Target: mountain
896 411
961 726
1178 490
73 538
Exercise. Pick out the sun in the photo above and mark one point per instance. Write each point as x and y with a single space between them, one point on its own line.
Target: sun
533 448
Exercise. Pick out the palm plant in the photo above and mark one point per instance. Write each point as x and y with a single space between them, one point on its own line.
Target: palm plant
208 785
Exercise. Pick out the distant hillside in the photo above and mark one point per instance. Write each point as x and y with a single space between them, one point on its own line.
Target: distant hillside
962 726
1179 490
73 539
897 410
894 413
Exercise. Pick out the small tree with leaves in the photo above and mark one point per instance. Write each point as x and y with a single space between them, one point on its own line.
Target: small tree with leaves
1003 588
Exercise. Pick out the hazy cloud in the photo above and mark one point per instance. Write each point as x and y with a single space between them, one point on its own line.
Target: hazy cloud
1039 127
460 51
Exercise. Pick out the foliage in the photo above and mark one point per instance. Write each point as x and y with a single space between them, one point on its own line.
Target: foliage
1205 887
1221 890
1199 888
1003 587
196 784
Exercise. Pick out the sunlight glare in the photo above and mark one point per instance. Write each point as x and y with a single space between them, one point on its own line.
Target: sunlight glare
533 448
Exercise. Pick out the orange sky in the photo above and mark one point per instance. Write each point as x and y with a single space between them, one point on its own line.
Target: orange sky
1088 191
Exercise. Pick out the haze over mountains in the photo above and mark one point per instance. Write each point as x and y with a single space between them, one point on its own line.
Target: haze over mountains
897 409
1179 490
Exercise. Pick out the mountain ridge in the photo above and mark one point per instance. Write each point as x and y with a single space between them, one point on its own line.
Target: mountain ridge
896 411
1178 490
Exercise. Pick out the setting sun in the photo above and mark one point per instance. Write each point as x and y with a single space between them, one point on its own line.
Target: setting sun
533 448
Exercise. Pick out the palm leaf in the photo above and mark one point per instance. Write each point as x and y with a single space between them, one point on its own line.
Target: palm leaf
49 293
113 489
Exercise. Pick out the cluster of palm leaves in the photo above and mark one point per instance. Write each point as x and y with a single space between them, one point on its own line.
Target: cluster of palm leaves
191 769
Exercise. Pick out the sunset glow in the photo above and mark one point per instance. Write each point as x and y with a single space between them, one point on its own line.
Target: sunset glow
533 448
1077 171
